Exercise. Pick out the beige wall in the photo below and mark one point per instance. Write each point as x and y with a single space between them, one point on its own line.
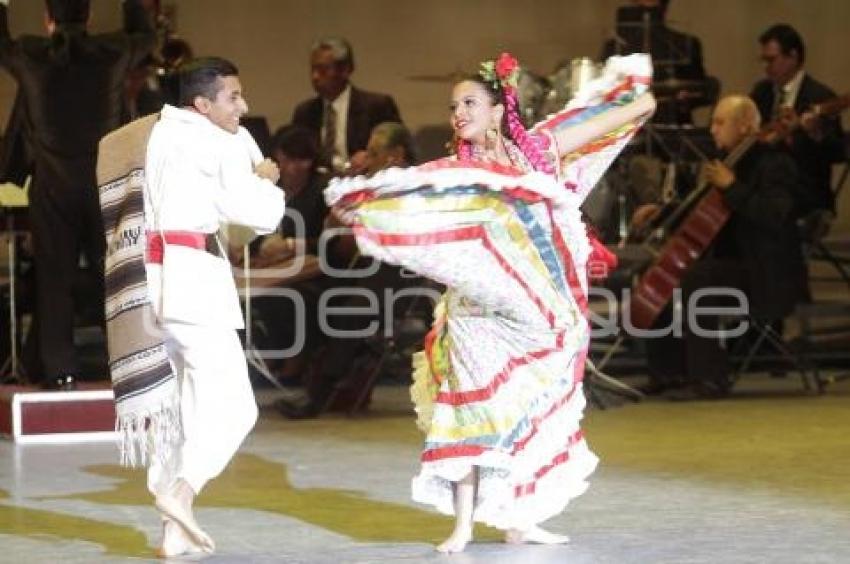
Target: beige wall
395 40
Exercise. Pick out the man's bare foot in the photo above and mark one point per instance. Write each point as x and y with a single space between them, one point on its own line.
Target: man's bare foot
458 540
175 542
173 509
534 535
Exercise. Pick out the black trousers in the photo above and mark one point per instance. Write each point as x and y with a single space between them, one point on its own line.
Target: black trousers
65 220
692 358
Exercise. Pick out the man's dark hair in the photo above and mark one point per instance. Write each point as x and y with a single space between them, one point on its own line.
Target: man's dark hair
787 38
68 11
200 77
296 142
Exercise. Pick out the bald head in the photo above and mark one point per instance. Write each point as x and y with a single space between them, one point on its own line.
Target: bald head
735 117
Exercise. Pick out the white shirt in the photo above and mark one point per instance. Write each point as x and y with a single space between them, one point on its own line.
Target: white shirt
340 104
791 89
199 177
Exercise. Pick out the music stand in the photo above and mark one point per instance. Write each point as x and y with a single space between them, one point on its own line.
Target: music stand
598 381
11 370
252 355
637 27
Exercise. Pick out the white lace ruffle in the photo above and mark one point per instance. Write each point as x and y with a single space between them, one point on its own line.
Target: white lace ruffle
500 473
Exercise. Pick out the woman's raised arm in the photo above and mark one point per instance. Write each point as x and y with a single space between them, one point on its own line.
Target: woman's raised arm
573 137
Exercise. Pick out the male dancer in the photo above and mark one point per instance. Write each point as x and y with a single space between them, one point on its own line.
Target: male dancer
201 170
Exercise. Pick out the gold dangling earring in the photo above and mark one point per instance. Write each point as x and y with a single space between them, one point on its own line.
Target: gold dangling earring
491 140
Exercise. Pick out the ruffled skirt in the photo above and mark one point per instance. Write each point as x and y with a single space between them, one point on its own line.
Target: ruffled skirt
499 384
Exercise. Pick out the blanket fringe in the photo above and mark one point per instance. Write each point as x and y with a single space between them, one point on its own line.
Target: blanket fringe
148 435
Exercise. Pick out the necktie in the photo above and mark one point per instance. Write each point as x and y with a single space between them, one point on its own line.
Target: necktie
778 102
329 134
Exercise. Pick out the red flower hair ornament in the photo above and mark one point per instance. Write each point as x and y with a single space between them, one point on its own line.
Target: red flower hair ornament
503 72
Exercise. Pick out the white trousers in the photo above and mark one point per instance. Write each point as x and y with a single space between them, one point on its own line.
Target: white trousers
217 405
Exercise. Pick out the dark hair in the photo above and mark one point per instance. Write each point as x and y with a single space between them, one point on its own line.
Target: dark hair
512 127
200 77
396 135
787 38
68 11
339 48
297 142
175 49
494 91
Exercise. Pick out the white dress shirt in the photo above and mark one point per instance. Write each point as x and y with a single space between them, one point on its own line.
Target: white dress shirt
791 89
340 105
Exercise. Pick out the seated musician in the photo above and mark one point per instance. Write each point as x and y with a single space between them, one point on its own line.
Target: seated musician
390 144
680 82
787 96
295 150
757 252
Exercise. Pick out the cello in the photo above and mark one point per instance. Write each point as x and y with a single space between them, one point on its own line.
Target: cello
684 247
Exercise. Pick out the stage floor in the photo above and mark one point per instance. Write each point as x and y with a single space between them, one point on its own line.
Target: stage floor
760 477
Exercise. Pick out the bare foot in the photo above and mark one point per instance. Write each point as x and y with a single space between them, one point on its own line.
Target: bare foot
175 542
534 535
456 542
171 508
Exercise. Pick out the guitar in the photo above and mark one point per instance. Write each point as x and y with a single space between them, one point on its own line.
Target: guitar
788 122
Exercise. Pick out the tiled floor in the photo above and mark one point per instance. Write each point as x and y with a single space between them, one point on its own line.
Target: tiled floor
72 504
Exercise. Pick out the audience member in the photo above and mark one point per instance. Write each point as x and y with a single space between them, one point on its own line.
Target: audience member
389 145
295 150
341 114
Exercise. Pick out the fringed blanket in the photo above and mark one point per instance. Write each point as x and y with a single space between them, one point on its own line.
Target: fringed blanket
146 401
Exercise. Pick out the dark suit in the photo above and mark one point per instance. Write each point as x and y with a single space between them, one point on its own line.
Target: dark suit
72 85
365 111
762 232
814 158
758 251
675 56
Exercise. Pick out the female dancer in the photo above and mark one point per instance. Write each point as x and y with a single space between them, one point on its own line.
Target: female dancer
498 387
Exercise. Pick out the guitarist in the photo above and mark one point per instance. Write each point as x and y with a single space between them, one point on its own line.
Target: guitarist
758 251
786 97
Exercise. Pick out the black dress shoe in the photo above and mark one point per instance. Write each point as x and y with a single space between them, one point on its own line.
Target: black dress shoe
62 383
699 391
659 388
297 411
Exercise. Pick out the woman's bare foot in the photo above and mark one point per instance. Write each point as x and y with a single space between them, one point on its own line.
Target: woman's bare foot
534 535
458 540
464 492
175 542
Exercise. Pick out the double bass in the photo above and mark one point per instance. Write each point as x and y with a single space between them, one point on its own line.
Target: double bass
707 216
